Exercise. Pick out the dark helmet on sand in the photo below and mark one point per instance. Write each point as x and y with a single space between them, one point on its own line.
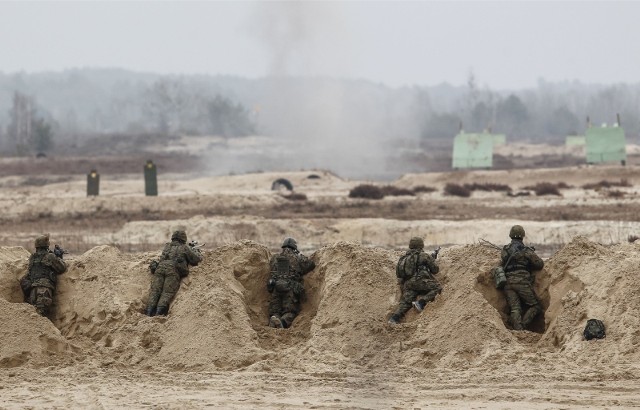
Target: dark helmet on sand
516 232
416 243
179 236
290 243
42 241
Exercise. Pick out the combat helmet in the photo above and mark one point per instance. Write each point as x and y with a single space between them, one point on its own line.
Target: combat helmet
416 243
179 236
42 241
516 232
290 243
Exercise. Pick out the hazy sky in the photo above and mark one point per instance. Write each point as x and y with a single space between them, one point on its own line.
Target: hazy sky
506 44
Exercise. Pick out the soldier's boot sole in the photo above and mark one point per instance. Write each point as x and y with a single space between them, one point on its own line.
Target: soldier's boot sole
274 321
394 320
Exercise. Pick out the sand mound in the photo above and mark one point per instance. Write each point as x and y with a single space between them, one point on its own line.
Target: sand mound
13 264
589 280
218 318
27 337
102 297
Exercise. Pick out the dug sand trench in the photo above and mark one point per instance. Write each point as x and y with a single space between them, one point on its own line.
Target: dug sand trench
218 319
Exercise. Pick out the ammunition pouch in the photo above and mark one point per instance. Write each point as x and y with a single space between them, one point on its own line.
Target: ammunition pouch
282 285
182 268
515 268
25 285
43 283
499 277
298 289
271 285
424 273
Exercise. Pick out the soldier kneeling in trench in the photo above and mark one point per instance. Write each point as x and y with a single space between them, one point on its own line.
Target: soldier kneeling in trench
39 284
518 261
414 271
286 284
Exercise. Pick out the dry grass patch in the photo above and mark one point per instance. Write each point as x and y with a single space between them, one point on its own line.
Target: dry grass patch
422 188
615 193
390 190
547 188
295 196
488 186
607 184
366 191
457 190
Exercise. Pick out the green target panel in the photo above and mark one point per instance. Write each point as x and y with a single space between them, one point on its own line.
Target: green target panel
473 151
606 144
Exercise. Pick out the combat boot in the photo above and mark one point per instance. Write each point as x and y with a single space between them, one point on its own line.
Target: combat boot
276 322
419 305
162 311
150 312
516 320
394 320
530 315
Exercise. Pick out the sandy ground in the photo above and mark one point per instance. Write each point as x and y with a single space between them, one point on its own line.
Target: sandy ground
111 389
99 351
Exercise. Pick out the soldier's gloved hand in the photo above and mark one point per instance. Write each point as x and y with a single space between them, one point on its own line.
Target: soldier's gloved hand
271 285
58 251
153 266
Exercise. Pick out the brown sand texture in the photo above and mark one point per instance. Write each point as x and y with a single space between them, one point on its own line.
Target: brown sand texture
217 321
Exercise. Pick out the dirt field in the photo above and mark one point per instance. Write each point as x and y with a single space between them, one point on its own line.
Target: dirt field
99 350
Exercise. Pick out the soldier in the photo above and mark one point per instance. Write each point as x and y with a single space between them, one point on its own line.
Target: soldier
518 262
286 283
414 272
167 272
39 284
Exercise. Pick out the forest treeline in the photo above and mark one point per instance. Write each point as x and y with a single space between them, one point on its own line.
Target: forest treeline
45 109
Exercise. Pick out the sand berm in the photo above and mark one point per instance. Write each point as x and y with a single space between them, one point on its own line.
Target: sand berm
217 321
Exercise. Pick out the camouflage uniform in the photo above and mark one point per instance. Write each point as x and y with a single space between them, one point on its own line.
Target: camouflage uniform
39 284
287 288
518 290
167 272
421 285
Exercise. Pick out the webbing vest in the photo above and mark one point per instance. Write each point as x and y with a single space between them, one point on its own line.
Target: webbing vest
174 255
286 270
516 260
38 270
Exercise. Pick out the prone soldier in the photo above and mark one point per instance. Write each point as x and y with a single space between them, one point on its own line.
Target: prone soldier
167 272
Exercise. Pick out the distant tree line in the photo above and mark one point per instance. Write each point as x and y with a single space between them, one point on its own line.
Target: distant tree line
546 114
40 109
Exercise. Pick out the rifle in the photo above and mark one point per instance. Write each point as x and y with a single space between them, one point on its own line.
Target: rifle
59 252
484 242
196 246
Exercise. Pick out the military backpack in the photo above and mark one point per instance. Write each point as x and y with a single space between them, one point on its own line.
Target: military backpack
594 330
407 266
